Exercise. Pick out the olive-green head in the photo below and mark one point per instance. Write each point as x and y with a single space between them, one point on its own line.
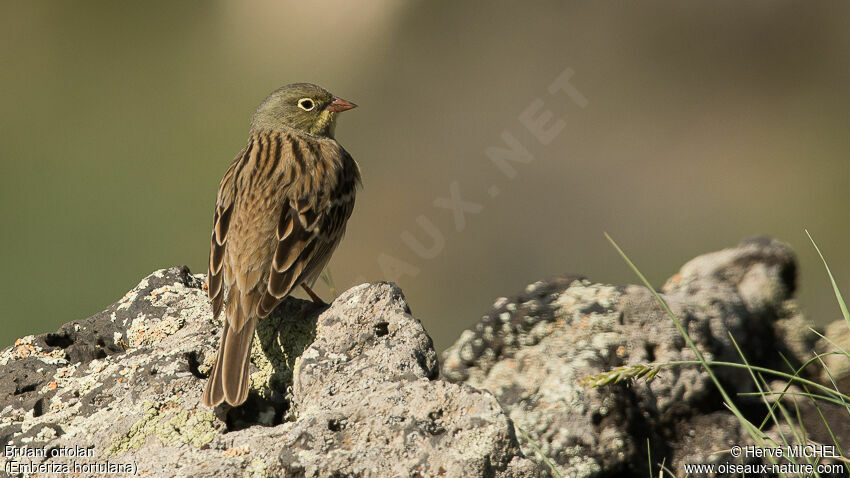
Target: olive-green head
300 106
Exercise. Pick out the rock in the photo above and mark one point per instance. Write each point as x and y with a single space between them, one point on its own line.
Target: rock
355 389
835 369
836 339
531 351
348 391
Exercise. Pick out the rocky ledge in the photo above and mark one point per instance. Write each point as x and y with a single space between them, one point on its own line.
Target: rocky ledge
355 389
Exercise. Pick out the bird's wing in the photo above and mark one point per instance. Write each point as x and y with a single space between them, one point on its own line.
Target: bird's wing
307 234
218 241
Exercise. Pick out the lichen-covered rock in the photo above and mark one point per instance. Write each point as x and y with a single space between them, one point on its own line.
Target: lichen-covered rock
532 350
121 376
366 401
354 389
348 391
836 343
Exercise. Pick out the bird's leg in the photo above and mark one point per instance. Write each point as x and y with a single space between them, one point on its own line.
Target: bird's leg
315 298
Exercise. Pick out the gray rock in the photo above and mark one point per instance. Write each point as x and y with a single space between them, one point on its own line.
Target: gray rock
355 389
836 343
348 391
532 350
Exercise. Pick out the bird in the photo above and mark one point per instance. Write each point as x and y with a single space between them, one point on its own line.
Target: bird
280 212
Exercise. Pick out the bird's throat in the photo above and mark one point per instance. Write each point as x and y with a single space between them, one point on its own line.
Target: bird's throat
325 124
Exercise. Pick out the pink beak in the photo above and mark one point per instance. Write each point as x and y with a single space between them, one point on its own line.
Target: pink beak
340 104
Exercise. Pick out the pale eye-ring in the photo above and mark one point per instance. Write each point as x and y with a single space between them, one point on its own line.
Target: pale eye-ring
306 104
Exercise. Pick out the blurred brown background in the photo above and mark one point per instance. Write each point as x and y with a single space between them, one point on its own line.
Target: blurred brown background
703 124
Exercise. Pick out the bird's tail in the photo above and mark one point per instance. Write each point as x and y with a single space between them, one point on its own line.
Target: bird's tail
229 378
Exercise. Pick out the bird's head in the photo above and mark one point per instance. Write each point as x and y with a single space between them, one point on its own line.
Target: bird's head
300 106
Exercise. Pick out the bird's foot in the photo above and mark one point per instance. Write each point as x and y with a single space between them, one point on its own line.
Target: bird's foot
315 298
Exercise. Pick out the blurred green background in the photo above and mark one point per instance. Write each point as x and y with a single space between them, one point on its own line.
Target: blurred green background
705 123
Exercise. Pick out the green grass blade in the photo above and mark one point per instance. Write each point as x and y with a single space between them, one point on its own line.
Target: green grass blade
328 279
751 429
539 452
595 380
649 457
841 302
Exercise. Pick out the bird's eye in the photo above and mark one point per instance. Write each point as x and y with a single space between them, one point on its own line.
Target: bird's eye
306 104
